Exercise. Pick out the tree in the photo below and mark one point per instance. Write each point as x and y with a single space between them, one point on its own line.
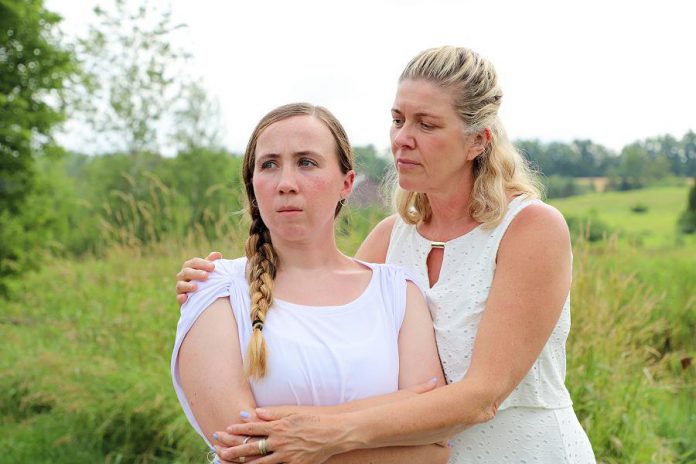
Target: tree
133 77
197 121
33 70
687 221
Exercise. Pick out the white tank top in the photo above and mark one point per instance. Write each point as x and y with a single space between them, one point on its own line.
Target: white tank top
458 299
317 355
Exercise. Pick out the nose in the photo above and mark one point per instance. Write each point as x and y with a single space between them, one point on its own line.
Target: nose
288 181
402 137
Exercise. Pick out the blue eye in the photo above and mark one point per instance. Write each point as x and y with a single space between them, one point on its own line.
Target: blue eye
427 126
397 122
306 163
268 165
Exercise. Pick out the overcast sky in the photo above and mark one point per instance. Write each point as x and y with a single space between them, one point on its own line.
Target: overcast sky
610 71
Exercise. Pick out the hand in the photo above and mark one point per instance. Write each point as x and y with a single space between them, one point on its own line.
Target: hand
295 439
193 269
227 441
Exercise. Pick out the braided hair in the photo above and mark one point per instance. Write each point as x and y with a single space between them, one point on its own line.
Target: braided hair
262 259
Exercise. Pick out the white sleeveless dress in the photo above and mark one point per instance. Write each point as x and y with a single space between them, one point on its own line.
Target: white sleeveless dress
536 423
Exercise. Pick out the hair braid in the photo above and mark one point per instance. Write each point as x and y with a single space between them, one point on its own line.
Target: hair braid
261 270
262 260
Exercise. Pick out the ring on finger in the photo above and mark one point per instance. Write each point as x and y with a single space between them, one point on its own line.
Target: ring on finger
263 446
242 459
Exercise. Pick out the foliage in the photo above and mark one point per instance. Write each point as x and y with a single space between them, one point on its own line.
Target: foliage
137 94
639 164
369 163
33 70
687 221
561 187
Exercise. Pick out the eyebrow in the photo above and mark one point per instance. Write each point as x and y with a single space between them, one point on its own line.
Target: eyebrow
419 114
297 154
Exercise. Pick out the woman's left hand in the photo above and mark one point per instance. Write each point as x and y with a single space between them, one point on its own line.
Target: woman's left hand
293 439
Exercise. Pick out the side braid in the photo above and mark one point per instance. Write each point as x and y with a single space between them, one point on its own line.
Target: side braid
261 270
262 259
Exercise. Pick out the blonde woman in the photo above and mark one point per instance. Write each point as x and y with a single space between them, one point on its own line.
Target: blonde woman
496 263
296 321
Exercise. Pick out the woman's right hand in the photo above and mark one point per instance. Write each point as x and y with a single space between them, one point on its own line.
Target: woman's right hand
193 269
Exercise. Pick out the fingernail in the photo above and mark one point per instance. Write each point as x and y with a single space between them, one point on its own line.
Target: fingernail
260 411
244 415
216 436
450 443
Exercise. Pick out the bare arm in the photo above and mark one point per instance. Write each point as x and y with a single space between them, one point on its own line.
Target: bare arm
210 366
531 283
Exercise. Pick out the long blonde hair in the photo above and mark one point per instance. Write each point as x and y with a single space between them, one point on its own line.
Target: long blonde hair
262 258
500 171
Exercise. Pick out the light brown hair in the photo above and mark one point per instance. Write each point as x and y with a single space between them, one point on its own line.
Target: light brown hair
262 259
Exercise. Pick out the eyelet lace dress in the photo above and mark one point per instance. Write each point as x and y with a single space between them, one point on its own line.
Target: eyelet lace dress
536 423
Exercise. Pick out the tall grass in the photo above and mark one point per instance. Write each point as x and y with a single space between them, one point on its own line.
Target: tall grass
84 365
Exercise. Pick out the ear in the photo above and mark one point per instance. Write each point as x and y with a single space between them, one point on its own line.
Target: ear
348 181
479 142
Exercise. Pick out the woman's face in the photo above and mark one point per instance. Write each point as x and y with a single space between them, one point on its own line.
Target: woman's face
297 178
432 152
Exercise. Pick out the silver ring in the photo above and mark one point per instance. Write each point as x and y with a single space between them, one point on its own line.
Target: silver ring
263 446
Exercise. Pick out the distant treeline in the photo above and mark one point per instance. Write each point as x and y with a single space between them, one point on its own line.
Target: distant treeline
635 166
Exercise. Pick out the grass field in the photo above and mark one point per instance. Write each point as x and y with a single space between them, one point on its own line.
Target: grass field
84 364
654 227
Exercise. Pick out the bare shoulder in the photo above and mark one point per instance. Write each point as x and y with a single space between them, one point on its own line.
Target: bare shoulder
541 221
538 231
374 247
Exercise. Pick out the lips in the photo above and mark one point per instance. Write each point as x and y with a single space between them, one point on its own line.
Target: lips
406 163
289 209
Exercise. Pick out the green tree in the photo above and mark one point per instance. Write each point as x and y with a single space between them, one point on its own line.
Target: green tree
370 163
687 221
133 77
34 68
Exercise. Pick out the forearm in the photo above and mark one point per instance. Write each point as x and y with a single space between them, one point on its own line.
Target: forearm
423 419
365 403
427 454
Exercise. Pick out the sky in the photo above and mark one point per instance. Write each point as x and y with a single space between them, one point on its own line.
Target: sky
610 71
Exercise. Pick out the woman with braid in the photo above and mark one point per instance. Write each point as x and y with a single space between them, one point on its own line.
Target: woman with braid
496 265
296 322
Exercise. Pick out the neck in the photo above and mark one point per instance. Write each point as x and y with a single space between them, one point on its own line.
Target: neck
450 207
307 255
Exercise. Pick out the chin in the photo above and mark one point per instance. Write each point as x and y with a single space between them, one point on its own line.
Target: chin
409 185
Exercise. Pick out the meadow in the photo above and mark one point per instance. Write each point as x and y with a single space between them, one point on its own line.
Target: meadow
86 342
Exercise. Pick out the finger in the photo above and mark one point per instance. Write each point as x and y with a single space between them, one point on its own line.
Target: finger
200 264
275 413
187 274
254 429
228 440
213 255
181 298
233 453
185 287
248 417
